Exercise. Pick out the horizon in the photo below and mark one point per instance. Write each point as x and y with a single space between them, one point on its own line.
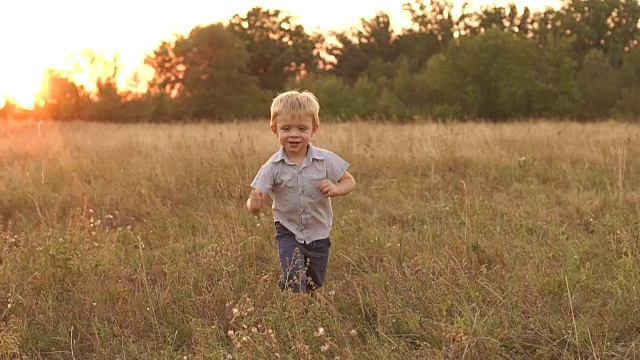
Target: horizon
21 75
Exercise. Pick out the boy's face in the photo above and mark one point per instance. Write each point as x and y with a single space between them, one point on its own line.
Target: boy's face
295 133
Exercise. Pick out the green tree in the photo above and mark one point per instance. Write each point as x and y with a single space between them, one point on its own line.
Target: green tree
412 102
433 27
350 60
376 37
506 19
610 26
357 48
206 73
628 104
336 97
106 103
388 90
434 18
168 68
278 47
418 48
58 97
492 76
599 86
557 71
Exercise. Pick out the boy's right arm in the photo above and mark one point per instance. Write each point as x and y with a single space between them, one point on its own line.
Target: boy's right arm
255 202
261 185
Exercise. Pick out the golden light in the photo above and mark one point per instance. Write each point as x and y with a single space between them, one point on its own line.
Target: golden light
21 79
23 69
21 87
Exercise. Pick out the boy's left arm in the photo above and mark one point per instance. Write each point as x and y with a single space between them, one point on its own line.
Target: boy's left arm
344 186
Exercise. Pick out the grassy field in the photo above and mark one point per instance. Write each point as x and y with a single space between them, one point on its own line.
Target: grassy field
461 241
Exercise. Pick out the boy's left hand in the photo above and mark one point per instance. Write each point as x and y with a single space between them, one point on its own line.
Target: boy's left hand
328 188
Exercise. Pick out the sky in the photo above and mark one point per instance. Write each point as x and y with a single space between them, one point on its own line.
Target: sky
39 34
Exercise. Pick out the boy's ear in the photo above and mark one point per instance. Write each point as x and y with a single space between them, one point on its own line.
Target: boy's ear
274 130
314 130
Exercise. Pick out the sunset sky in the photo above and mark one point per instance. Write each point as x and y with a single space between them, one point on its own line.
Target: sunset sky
38 34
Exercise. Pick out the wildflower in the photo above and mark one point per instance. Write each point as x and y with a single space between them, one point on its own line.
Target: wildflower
271 335
320 332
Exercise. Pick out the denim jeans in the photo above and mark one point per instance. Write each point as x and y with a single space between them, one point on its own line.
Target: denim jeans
304 266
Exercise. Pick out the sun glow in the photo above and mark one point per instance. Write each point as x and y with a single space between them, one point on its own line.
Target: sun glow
20 84
22 81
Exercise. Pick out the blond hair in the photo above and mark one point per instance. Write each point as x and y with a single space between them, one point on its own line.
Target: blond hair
295 103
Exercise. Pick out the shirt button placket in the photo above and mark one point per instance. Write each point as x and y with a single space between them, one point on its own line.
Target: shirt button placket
301 202
300 186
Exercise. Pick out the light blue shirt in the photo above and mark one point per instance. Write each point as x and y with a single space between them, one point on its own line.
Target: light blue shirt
298 204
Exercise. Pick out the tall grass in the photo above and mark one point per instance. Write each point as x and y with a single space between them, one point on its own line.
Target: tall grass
461 241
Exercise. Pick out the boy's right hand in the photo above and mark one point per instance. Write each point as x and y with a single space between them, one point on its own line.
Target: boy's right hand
255 201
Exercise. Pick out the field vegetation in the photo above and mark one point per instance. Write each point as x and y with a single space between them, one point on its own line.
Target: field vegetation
461 241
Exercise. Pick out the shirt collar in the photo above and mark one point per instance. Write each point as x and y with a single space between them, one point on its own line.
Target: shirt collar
312 153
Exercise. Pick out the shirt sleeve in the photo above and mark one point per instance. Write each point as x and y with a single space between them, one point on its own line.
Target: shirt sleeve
264 180
336 166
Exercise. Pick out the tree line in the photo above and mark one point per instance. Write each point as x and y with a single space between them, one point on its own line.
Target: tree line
581 61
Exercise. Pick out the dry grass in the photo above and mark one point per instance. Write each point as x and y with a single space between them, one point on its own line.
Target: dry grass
462 241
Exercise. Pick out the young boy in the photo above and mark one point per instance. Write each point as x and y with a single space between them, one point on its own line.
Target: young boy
301 179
